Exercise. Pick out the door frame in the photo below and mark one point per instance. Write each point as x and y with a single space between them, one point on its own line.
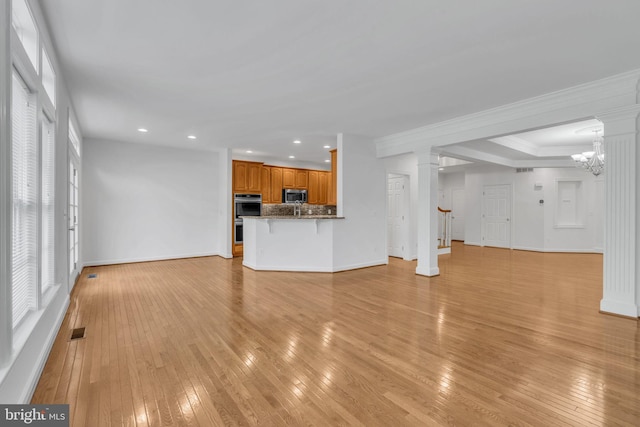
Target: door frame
73 275
512 220
406 208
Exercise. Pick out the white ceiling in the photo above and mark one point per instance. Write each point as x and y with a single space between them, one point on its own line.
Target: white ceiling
549 147
257 75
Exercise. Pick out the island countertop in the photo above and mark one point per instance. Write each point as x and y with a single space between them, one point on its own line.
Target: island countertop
293 217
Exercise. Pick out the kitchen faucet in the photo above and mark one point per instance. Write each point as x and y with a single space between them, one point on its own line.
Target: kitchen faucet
297 208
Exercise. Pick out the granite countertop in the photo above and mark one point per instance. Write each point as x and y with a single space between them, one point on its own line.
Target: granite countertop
295 217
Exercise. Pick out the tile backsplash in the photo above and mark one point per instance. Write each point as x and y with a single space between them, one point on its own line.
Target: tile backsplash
287 209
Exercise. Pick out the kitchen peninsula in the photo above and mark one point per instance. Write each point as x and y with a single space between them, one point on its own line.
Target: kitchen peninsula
291 243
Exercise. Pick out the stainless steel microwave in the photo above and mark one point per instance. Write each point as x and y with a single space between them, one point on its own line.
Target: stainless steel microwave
290 195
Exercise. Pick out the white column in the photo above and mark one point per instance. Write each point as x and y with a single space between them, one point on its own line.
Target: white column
622 225
225 201
427 214
5 183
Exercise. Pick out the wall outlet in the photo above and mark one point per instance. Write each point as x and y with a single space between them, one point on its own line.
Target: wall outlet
309 211
329 211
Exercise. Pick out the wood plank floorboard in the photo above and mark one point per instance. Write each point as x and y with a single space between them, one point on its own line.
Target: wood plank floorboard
499 338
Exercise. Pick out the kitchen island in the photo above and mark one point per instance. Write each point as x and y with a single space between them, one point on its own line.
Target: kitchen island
292 243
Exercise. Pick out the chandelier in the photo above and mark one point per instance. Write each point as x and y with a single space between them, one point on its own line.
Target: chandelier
593 161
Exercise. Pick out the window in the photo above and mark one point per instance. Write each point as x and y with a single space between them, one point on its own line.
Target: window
22 21
48 77
73 137
24 262
47 234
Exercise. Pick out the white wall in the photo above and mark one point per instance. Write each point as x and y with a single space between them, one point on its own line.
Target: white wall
362 194
143 202
448 182
533 224
407 164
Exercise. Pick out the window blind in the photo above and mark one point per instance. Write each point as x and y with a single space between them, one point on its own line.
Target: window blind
24 200
47 271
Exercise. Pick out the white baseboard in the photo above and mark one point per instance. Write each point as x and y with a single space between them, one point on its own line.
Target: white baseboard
383 261
96 263
22 375
316 269
558 250
429 272
620 308
469 243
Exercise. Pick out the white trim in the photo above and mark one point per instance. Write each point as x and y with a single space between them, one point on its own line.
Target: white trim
621 308
97 263
428 272
558 250
577 102
316 269
19 380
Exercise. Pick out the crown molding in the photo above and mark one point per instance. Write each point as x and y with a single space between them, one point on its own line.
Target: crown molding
575 103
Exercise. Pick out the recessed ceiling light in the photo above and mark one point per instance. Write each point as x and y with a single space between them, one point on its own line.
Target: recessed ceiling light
327 146
249 151
191 137
327 161
440 169
292 157
297 141
143 130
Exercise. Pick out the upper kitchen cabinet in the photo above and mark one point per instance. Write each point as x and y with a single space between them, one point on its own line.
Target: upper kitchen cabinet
295 178
324 178
332 193
288 178
265 183
246 177
313 194
302 178
276 185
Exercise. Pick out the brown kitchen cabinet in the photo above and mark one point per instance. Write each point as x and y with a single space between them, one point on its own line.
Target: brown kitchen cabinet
276 185
332 194
313 193
302 179
323 186
288 178
265 183
246 177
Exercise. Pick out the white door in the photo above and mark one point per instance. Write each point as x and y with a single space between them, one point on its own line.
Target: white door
457 214
396 215
496 216
73 214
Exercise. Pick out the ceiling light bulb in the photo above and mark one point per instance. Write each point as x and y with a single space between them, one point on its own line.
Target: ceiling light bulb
292 157
249 151
327 146
143 130
327 161
191 137
297 141
440 169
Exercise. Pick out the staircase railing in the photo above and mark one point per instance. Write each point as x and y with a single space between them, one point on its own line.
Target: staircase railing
444 238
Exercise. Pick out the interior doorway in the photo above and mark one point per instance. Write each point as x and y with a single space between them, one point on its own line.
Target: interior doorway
496 215
457 214
397 218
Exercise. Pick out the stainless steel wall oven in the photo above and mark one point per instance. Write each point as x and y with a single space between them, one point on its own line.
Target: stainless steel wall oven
245 205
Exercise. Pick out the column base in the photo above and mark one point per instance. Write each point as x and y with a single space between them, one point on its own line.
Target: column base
425 271
619 308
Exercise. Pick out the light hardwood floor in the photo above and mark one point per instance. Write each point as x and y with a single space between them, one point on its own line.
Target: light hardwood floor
500 338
